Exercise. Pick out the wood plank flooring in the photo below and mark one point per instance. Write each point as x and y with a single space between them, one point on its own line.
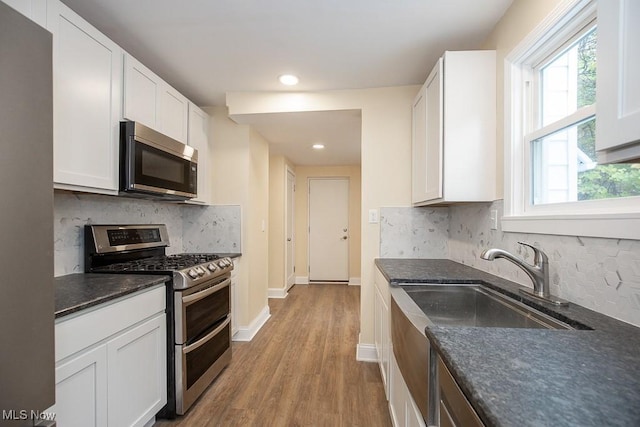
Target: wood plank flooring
300 370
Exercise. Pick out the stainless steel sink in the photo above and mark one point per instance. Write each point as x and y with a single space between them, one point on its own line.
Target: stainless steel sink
476 305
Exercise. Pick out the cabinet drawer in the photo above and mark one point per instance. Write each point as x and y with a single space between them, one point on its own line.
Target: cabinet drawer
455 409
92 326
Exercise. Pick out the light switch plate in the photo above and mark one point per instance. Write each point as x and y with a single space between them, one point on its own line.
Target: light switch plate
373 216
494 219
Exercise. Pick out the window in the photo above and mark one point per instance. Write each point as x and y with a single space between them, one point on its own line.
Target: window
553 182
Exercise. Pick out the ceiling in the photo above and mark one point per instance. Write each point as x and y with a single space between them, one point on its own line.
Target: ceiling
205 48
293 134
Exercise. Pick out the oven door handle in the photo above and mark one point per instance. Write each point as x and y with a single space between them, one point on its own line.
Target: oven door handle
203 340
202 294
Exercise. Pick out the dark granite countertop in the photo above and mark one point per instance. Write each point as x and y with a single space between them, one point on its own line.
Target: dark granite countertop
534 377
77 292
229 254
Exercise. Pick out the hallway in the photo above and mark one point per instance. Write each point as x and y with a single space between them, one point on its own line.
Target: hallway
300 370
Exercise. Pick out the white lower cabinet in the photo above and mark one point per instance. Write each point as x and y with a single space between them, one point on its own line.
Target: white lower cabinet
107 378
382 328
81 390
404 411
136 373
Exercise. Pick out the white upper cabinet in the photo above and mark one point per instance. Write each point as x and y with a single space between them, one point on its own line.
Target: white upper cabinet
199 139
36 10
618 85
141 93
454 131
174 113
151 101
427 139
87 97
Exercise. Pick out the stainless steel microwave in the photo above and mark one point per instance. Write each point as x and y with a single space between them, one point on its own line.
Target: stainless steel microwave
155 165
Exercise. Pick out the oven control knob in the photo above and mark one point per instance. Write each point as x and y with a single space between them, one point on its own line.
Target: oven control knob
200 271
212 267
221 263
192 273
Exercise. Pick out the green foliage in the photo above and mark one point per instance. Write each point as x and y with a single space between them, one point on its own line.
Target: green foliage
604 181
607 181
587 69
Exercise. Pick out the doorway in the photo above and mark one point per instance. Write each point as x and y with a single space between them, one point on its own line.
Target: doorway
329 230
290 268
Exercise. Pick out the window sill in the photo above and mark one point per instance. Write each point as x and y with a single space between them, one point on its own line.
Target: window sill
613 226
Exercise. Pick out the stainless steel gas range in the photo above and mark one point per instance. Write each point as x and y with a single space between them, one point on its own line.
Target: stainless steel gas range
198 302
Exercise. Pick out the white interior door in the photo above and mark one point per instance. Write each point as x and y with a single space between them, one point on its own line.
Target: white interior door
289 244
329 229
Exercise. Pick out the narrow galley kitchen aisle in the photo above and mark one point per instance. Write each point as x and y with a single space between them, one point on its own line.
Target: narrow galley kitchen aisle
300 370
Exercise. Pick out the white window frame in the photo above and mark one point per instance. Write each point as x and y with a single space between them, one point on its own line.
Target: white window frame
611 218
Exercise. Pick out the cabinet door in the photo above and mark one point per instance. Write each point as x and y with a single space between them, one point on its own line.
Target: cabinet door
397 394
81 390
141 93
174 113
427 140
199 139
419 148
381 338
87 91
618 86
434 133
137 373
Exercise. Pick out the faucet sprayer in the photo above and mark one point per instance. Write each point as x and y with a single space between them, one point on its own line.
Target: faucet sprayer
538 272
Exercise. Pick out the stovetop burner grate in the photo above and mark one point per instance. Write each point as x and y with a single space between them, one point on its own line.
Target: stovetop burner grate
161 263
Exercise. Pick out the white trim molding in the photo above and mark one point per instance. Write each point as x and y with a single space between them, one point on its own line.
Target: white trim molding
608 218
302 280
366 353
277 293
354 281
246 333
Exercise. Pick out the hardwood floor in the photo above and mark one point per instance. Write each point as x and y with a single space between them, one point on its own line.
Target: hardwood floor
300 370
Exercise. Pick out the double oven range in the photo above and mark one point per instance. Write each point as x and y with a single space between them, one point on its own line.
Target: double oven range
198 302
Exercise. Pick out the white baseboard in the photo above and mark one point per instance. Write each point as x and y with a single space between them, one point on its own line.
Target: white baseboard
354 281
246 333
366 353
277 293
302 280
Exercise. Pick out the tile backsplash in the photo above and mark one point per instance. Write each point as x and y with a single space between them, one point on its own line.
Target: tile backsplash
72 211
414 233
600 274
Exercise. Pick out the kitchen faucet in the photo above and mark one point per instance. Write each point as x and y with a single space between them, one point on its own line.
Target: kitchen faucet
538 272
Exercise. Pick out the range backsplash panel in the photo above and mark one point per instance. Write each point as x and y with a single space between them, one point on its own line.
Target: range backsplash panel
72 211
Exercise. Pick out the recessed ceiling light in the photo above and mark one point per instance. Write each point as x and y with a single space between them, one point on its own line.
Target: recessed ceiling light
318 146
288 79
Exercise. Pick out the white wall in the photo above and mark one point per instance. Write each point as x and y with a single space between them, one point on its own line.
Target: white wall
240 174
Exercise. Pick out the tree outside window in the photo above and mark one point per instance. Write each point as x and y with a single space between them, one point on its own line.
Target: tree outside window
564 161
